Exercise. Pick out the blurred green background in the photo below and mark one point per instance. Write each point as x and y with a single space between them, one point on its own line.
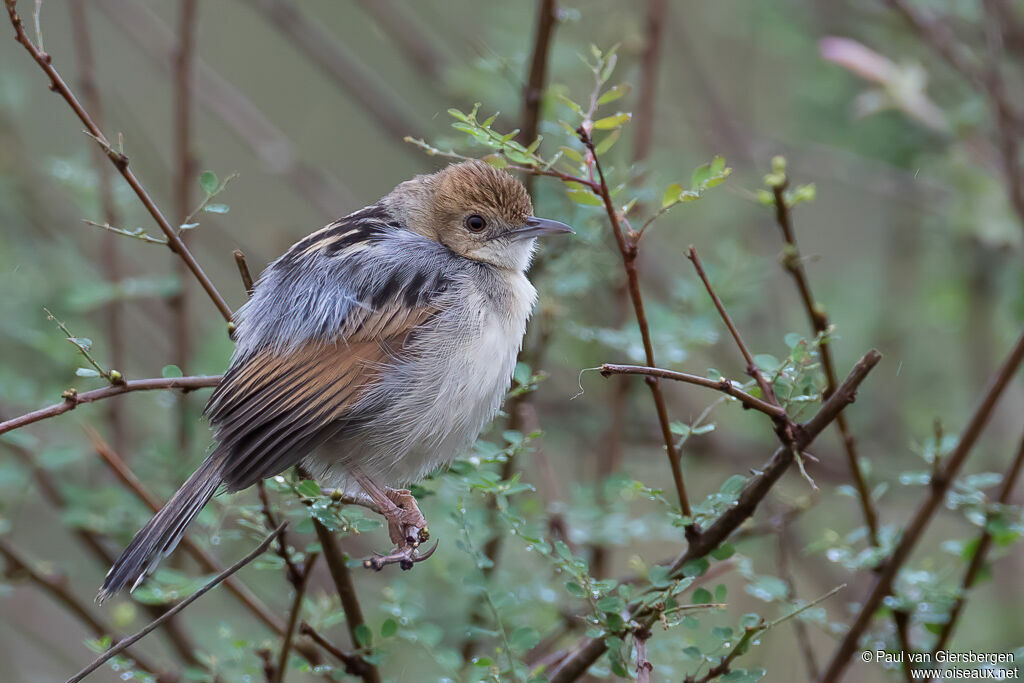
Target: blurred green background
912 247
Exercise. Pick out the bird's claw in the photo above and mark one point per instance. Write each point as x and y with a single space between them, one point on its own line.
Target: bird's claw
404 557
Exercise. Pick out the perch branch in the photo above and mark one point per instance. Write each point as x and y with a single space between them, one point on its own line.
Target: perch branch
72 398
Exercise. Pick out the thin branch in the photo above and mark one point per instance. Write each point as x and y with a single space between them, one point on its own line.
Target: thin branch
752 369
576 664
117 158
56 587
127 642
72 398
354 664
726 386
533 90
243 271
628 252
913 531
294 614
110 261
346 592
984 543
794 265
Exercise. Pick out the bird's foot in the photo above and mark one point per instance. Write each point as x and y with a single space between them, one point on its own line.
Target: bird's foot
406 524
404 557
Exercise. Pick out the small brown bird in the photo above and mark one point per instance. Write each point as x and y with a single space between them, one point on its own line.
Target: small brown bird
372 352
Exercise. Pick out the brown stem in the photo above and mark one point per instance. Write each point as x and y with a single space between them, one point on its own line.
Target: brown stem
117 158
577 663
56 587
319 46
72 398
354 664
184 177
533 90
793 263
654 23
302 581
752 369
110 262
243 271
913 531
346 592
234 108
628 251
120 647
726 386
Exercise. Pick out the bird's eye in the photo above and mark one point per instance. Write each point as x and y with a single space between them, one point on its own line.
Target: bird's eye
475 223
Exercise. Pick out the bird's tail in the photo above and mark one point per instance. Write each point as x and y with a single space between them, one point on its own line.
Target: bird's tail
160 536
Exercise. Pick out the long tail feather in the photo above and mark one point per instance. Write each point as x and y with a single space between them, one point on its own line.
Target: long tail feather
160 536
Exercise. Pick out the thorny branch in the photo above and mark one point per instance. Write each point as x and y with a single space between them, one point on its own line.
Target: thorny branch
913 531
793 262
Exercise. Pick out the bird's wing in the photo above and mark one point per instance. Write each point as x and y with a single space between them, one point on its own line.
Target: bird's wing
285 393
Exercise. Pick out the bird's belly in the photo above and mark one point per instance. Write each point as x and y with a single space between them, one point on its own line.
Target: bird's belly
432 406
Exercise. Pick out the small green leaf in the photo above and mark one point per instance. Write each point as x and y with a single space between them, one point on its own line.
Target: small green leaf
611 603
612 94
216 208
388 628
87 372
575 589
609 140
364 636
209 182
671 195
524 638
585 197
702 596
171 371
610 122
308 488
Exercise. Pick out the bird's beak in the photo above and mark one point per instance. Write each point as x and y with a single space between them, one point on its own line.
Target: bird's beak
538 227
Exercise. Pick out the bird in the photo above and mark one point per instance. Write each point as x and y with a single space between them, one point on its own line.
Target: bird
371 353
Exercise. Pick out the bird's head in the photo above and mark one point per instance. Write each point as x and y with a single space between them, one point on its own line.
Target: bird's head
477 211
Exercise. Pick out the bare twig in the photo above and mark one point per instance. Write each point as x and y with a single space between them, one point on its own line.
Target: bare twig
243 271
56 587
72 398
346 592
752 369
354 664
726 386
127 642
794 265
117 158
913 531
293 618
110 261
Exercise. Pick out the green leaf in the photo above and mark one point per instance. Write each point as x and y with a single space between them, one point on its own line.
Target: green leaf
723 552
700 176
612 94
388 628
364 636
611 603
308 488
767 362
610 122
575 589
171 371
585 197
671 195
658 576
702 596
87 372
696 567
609 140
216 208
524 638
209 182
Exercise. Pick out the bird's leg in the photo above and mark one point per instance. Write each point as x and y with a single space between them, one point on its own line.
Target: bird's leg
406 524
